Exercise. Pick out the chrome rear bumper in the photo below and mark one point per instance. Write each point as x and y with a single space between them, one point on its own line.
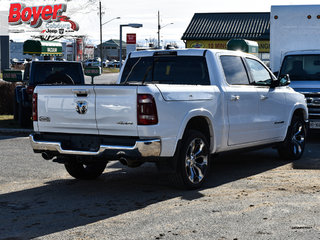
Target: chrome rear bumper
142 148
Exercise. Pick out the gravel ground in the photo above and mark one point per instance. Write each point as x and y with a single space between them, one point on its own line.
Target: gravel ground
250 195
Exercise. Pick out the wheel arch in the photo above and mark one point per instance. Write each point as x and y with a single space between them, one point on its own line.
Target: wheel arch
201 120
299 110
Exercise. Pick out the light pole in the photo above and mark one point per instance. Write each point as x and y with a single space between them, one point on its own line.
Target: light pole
101 24
100 16
133 25
159 28
110 20
101 55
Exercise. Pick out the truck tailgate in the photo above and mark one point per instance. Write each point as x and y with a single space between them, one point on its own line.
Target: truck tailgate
67 109
88 109
116 110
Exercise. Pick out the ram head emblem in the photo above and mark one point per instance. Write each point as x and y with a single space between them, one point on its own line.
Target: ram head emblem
81 107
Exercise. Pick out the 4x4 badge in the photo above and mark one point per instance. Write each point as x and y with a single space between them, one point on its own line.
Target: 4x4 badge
82 107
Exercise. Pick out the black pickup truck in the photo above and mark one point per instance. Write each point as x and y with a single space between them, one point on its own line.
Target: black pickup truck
43 72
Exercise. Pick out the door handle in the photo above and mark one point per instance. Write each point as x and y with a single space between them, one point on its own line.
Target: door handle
235 98
263 97
80 92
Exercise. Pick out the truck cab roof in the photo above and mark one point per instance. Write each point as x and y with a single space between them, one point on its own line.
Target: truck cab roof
184 52
303 52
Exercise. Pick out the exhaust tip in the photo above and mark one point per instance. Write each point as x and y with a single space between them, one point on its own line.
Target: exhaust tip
47 156
123 161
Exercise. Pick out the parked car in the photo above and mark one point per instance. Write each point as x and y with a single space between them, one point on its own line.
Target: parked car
91 63
114 64
105 63
174 108
43 72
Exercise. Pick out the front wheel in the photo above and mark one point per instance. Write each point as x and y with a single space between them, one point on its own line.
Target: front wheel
85 171
293 146
193 161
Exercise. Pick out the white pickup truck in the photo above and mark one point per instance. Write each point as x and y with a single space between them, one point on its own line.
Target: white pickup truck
174 108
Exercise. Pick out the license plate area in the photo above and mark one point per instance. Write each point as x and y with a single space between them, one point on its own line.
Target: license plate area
315 124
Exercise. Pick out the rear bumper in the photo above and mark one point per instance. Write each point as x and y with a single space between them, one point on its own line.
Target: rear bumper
141 149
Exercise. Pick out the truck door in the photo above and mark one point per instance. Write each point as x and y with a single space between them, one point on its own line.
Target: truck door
242 101
273 110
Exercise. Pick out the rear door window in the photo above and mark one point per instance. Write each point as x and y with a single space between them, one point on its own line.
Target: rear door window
234 70
167 70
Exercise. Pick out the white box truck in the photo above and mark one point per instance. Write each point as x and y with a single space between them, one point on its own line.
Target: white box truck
295 50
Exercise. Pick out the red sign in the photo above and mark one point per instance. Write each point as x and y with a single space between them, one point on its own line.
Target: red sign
19 13
131 38
79 49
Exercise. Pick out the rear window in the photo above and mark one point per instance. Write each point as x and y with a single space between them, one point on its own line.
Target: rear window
167 70
43 70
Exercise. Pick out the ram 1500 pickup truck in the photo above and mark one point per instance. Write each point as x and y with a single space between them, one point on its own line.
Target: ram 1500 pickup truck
174 108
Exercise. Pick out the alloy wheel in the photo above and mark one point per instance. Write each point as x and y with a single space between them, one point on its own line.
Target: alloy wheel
196 161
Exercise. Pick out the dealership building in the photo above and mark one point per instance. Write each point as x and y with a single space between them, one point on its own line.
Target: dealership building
214 30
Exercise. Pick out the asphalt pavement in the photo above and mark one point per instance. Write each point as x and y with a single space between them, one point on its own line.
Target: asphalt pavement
249 195
107 78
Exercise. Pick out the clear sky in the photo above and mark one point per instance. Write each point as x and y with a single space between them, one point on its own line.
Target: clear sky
178 12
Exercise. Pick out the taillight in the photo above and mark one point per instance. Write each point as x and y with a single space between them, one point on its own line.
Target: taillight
35 107
147 110
30 90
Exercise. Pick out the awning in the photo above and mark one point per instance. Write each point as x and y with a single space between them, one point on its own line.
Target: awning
43 48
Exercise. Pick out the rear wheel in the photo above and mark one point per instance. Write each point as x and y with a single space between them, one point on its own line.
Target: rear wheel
85 171
293 146
193 161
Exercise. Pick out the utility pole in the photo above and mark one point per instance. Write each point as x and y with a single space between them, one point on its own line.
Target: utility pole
101 62
159 27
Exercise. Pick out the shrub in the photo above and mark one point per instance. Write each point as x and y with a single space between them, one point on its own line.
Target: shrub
6 97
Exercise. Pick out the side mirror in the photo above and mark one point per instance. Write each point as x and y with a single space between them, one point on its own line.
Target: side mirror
283 80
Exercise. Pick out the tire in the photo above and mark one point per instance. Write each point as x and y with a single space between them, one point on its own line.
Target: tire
193 161
85 171
59 78
293 146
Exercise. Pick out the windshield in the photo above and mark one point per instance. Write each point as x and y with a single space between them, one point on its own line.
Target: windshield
301 67
166 70
43 70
